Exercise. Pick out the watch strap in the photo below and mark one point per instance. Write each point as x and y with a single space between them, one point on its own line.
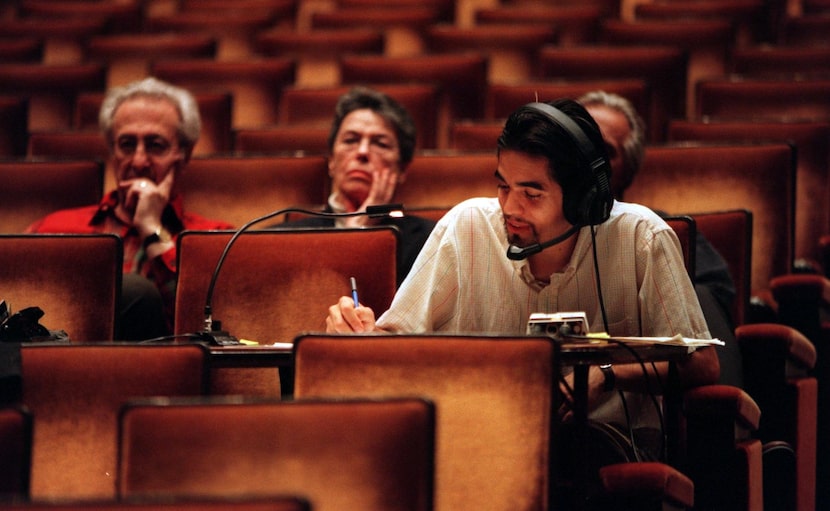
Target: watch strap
610 378
156 237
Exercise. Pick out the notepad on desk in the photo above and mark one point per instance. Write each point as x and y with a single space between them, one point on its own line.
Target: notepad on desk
677 340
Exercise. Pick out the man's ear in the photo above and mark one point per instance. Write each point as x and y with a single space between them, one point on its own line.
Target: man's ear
187 154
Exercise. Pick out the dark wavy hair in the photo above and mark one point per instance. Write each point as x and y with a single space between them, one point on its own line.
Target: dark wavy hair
531 131
359 98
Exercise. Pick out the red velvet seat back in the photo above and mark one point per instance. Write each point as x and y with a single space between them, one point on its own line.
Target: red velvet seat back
447 178
51 89
698 178
730 232
373 455
253 83
493 400
778 361
503 99
74 393
663 67
240 189
812 184
762 97
34 188
75 279
16 446
276 284
297 139
575 23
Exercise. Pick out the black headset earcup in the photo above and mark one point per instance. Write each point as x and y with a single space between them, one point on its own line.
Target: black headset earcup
589 207
599 197
578 207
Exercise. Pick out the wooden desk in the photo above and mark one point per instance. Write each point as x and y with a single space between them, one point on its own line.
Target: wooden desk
253 370
582 355
578 355
256 370
251 356
573 354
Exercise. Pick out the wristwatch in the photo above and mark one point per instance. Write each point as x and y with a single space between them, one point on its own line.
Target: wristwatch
610 377
160 236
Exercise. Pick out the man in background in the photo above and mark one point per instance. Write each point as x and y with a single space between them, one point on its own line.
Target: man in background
151 128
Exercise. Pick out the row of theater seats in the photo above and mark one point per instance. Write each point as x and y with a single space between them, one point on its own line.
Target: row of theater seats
262 26
673 87
633 71
672 58
678 179
785 372
262 254
462 97
151 436
806 135
281 291
242 320
799 300
285 311
55 98
275 106
251 258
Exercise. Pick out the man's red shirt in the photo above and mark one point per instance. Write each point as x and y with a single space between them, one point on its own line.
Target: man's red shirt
101 218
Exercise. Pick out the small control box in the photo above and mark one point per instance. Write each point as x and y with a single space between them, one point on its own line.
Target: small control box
558 324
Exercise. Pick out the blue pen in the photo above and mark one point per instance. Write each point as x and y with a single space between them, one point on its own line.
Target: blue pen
353 282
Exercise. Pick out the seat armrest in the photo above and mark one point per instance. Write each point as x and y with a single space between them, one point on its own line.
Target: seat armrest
648 480
801 286
723 401
800 351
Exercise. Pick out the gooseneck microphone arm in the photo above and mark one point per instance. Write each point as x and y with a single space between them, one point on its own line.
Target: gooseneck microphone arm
517 253
215 335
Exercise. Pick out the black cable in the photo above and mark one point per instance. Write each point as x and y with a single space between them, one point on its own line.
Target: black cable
629 428
601 300
165 338
658 409
660 384
569 399
596 274
637 357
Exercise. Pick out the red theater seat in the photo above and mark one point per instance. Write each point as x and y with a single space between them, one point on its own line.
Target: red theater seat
697 178
75 445
664 69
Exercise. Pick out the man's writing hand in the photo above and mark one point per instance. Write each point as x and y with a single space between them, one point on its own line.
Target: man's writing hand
344 317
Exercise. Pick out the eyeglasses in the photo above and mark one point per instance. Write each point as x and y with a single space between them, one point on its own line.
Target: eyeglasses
154 146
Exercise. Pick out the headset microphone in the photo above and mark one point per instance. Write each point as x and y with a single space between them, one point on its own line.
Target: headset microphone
517 253
586 204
